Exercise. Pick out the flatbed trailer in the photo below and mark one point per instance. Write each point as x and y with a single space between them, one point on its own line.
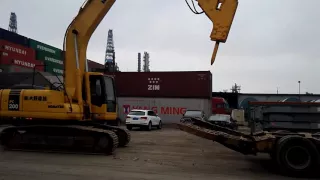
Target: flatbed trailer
295 153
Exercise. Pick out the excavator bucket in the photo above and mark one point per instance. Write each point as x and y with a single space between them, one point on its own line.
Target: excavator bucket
221 13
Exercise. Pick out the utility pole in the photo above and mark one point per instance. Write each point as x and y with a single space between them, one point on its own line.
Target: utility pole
299 88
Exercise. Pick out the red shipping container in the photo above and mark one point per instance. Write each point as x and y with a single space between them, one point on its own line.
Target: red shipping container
17 50
14 59
92 64
188 84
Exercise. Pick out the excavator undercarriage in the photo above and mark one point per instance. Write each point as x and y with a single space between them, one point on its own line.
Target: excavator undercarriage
52 136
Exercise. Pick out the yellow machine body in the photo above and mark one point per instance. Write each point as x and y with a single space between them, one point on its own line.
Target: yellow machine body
44 105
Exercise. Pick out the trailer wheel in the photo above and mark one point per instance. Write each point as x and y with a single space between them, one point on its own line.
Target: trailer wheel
296 155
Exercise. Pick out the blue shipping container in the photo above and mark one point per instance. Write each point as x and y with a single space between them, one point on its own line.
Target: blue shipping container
13 37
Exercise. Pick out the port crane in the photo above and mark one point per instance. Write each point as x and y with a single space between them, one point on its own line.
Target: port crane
77 114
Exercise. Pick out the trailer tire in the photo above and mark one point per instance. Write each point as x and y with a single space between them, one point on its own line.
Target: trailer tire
296 156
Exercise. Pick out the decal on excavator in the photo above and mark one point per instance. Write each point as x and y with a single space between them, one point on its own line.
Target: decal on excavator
35 98
14 100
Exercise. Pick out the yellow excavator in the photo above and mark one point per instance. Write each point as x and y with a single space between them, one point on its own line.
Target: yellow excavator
77 115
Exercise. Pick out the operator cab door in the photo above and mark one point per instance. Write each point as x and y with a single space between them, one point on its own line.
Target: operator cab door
96 90
102 95
96 95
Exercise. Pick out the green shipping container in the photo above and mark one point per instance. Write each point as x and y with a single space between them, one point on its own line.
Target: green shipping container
45 57
54 68
41 47
55 71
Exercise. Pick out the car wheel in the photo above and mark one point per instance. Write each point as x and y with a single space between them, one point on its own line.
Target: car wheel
160 125
149 127
129 127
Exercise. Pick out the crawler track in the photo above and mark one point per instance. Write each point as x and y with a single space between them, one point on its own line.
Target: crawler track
123 135
50 138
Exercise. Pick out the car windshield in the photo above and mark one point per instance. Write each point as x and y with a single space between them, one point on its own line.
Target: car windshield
137 113
193 113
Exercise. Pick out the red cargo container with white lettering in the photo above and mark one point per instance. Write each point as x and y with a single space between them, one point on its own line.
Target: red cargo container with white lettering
16 55
169 109
184 84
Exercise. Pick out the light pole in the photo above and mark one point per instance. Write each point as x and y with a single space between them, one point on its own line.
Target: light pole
299 88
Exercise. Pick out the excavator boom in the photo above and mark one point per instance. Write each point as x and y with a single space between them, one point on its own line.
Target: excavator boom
76 41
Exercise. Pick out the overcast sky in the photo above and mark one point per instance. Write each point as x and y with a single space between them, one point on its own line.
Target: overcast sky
272 43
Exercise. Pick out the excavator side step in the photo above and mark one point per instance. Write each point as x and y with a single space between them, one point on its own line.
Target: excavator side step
51 138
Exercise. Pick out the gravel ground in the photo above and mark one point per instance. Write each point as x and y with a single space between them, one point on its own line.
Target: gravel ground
160 154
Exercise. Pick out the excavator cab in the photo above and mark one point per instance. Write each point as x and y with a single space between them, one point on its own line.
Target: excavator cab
102 97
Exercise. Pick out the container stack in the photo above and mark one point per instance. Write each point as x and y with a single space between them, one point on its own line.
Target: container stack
15 55
49 55
22 54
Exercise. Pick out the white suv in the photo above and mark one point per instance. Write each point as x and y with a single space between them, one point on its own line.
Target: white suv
143 119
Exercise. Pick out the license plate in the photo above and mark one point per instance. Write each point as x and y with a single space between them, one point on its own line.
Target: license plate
135 118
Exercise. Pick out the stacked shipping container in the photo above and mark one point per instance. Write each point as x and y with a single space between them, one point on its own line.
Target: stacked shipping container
51 56
21 54
15 56
169 94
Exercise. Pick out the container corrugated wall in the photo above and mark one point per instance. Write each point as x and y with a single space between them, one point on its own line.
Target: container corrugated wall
49 50
169 109
94 65
17 55
51 56
13 37
184 84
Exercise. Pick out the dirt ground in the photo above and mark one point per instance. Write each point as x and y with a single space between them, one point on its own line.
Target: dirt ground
157 155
